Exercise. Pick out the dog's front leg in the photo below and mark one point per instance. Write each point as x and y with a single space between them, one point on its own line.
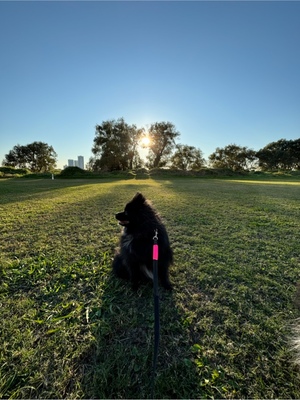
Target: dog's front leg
134 271
135 276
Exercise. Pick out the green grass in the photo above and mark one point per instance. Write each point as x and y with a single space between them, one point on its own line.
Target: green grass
70 329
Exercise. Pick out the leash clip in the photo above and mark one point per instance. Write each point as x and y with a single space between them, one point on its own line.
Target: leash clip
155 237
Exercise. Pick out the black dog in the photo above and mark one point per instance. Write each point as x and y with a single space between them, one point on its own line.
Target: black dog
133 260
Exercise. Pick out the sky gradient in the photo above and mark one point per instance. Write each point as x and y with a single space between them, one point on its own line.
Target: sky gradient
221 72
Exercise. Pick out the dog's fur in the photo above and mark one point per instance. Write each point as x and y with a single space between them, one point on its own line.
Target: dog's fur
295 342
133 259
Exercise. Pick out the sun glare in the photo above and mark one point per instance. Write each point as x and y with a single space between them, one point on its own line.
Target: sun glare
145 141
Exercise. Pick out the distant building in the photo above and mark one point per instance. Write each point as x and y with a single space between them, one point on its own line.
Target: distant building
81 162
77 163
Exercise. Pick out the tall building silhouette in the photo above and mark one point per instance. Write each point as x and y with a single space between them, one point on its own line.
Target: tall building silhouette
77 163
80 162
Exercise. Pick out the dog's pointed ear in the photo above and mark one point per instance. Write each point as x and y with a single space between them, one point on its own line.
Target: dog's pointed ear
139 198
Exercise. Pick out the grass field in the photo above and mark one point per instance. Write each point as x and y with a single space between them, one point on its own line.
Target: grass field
69 329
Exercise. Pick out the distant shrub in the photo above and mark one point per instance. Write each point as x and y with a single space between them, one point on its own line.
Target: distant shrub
9 172
141 173
114 174
38 175
76 172
203 172
275 174
73 172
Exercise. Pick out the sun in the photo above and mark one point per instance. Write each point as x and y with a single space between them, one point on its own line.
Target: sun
145 141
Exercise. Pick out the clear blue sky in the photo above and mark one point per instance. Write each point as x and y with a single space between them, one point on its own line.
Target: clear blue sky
221 72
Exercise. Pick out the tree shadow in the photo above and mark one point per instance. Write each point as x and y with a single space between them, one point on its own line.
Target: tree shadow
19 189
101 331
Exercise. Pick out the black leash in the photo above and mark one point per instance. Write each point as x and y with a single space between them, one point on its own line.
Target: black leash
156 309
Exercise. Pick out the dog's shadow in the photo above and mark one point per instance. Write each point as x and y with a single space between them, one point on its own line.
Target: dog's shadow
120 365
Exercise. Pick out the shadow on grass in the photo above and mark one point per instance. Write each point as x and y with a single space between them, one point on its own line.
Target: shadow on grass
120 361
92 335
17 190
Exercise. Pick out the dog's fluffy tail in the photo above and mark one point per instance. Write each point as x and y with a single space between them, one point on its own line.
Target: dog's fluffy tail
295 342
295 329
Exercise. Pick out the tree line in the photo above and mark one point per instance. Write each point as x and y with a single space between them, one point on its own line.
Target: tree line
117 146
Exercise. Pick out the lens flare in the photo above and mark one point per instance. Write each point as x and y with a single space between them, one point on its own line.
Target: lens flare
145 141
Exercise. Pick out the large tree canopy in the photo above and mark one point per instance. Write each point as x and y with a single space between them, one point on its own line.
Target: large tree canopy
36 156
162 137
283 154
115 146
234 157
187 158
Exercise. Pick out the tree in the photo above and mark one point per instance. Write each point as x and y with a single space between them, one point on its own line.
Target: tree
295 153
283 154
162 142
187 158
115 146
233 157
36 156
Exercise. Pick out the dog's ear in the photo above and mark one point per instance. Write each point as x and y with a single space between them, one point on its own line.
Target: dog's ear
139 198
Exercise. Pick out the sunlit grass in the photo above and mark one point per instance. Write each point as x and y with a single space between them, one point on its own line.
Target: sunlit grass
266 182
70 329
